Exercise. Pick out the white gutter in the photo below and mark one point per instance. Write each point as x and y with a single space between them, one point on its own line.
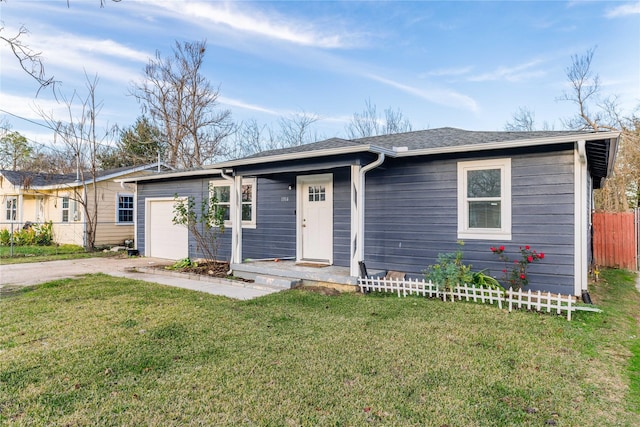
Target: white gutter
360 207
236 231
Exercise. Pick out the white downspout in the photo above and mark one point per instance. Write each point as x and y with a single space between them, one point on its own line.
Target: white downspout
234 213
580 218
358 251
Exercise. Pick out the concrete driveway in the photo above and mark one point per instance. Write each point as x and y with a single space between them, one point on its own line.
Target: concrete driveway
29 274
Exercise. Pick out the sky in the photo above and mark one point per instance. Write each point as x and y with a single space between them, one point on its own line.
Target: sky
463 64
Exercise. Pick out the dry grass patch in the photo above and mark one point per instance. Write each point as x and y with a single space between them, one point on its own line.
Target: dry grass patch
105 351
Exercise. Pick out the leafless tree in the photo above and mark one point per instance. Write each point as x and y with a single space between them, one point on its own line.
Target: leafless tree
182 104
522 120
369 123
296 129
79 134
30 61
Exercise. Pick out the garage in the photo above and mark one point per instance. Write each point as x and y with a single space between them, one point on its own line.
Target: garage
163 238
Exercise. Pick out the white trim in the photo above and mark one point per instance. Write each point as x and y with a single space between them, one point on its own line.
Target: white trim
147 222
355 249
504 232
117 213
236 203
301 180
580 219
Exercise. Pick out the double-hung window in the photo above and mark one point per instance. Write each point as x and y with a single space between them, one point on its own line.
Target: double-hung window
484 199
65 209
11 209
221 190
124 211
69 210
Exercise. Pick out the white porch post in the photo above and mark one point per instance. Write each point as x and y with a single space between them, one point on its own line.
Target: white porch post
356 247
236 220
580 219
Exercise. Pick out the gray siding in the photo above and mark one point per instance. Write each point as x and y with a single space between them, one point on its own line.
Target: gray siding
411 217
196 188
275 232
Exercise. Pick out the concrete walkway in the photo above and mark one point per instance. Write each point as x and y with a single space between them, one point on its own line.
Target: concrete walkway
136 268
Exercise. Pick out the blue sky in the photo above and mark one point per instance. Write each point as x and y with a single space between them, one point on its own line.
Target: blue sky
469 65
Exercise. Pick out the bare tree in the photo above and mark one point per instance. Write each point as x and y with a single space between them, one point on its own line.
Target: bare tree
182 103
369 123
30 61
79 134
296 129
522 120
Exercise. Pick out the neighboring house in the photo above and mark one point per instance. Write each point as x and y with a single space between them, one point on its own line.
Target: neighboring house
40 197
397 201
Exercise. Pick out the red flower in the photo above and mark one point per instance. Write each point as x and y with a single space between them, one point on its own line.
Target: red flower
493 249
504 270
522 276
527 247
541 255
530 258
501 248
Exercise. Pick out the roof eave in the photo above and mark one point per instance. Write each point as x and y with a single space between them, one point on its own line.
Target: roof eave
182 174
511 144
305 155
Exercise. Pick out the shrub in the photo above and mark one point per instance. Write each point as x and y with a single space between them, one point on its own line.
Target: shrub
450 270
515 272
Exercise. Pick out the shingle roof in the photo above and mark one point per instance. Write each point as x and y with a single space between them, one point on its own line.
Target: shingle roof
452 137
36 179
27 179
327 144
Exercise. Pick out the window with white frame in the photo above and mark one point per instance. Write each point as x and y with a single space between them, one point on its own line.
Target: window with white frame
11 209
65 209
484 199
124 210
221 190
69 210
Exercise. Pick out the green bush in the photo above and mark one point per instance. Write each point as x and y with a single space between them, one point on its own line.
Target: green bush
5 238
35 234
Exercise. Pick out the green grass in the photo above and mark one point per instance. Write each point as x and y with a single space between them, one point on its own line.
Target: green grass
23 254
105 351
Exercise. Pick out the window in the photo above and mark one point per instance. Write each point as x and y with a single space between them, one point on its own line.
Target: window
65 209
12 209
317 193
69 210
484 199
221 190
124 211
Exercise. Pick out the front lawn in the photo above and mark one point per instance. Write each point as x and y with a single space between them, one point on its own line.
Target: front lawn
106 351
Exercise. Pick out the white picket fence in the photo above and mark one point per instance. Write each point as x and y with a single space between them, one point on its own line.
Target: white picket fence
536 300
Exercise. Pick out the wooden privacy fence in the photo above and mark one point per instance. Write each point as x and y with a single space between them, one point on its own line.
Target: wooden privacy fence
615 239
539 301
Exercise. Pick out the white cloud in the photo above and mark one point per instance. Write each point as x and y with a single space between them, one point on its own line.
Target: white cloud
448 72
253 21
438 96
624 10
252 107
512 74
73 52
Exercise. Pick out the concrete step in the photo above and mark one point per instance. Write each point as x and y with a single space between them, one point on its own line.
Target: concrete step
276 281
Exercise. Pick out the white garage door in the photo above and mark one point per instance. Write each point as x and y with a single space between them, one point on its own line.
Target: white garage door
163 238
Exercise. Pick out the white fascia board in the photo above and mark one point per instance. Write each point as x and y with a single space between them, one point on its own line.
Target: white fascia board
306 155
74 184
513 144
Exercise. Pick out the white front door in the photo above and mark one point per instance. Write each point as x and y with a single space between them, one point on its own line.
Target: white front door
315 218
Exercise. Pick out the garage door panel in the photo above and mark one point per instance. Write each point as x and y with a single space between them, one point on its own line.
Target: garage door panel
165 239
